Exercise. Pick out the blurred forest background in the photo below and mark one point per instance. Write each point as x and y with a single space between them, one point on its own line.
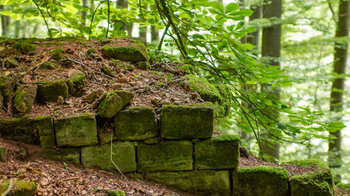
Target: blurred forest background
288 56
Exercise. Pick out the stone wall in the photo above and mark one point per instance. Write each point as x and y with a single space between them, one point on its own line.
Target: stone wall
177 150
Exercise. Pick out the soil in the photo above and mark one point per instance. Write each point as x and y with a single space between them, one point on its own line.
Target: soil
163 83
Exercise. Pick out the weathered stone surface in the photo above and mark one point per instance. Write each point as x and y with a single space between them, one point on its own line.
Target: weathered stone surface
186 122
166 156
133 53
123 156
25 97
6 86
49 91
113 103
105 135
221 152
12 63
71 155
46 132
261 180
76 130
314 183
137 123
3 153
1 101
95 95
196 182
19 188
77 80
25 129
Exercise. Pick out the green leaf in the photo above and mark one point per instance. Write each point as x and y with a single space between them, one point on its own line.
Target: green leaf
245 12
231 7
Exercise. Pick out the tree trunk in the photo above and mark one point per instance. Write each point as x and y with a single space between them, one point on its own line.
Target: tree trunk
253 38
83 13
271 47
5 21
125 27
339 65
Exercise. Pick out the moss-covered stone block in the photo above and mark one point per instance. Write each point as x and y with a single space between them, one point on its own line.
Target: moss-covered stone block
105 136
318 182
166 156
19 188
70 155
196 182
133 52
76 130
1 101
3 153
221 152
261 180
137 123
308 162
77 80
186 122
100 156
6 86
113 103
116 193
49 91
25 47
25 129
57 54
46 132
25 97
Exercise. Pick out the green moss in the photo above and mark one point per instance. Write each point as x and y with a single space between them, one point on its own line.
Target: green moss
57 54
90 51
227 137
6 86
187 68
345 186
261 180
207 91
113 103
3 153
314 183
25 47
49 91
69 155
107 70
47 65
133 53
78 78
309 162
12 63
116 193
19 188
24 98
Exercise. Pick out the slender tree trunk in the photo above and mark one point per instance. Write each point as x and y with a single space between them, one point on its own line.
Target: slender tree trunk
154 30
83 13
5 21
271 47
17 28
253 38
339 67
125 27
92 4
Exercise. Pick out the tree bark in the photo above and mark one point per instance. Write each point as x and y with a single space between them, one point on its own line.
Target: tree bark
339 67
271 47
125 27
253 38
5 21
83 13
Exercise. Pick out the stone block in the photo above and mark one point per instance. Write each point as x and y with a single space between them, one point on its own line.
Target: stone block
50 91
133 52
76 131
6 86
186 122
70 155
261 180
195 182
113 103
19 188
314 183
26 129
137 123
221 152
166 156
100 156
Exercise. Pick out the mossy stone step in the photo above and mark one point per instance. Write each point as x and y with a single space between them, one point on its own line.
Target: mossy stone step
75 131
221 152
197 182
27 130
25 97
186 122
137 123
261 180
314 183
166 156
70 155
50 91
19 188
100 156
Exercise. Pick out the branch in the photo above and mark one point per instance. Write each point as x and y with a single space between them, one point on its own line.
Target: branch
42 15
332 10
8 189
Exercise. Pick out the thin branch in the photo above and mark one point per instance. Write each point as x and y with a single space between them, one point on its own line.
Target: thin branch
42 15
8 189
163 36
93 17
334 17
108 22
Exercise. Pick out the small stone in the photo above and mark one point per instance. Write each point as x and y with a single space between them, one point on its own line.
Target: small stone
25 97
3 153
77 80
94 95
49 91
144 65
113 103
133 53
60 100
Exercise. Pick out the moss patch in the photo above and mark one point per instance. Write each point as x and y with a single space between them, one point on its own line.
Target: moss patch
49 91
57 54
19 188
25 97
113 103
6 86
25 47
308 162
133 53
70 155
